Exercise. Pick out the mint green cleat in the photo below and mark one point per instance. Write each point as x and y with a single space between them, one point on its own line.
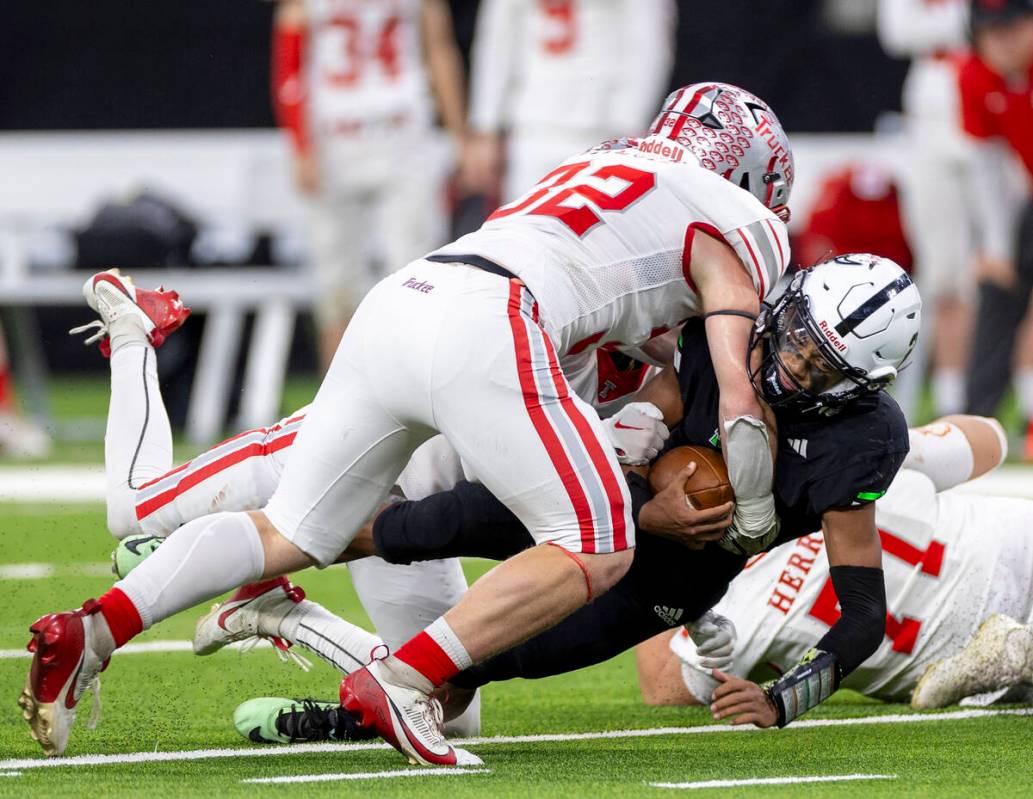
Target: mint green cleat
133 551
272 720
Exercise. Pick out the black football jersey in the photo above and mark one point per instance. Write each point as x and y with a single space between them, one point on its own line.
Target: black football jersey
835 462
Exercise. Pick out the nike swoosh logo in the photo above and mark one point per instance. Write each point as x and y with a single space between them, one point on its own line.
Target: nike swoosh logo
620 426
70 700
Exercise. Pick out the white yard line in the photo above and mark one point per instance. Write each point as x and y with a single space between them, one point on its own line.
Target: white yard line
42 571
307 749
10 773
371 775
146 648
771 781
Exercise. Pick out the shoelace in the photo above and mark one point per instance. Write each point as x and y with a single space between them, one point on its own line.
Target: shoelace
100 331
284 650
313 723
431 719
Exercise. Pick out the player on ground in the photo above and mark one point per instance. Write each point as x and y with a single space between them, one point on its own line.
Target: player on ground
614 247
839 444
356 85
959 577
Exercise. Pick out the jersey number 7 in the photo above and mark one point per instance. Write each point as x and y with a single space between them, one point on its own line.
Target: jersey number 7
555 190
903 632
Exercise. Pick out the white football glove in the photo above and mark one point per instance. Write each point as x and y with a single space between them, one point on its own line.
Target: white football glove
714 637
637 431
702 646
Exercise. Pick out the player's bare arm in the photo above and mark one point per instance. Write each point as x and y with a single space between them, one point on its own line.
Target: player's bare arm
747 434
444 68
289 90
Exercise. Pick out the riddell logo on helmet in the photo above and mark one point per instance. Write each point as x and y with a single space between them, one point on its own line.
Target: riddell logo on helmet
671 151
830 334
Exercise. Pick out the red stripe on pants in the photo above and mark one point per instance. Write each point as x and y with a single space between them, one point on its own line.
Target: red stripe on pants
190 480
614 497
533 403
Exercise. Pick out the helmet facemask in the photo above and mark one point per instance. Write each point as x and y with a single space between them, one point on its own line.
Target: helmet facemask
799 369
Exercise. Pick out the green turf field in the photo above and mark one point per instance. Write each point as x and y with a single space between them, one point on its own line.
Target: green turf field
165 703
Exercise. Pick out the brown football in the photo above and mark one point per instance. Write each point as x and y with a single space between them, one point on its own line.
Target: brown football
707 488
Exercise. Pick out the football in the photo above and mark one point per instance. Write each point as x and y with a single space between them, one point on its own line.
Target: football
706 488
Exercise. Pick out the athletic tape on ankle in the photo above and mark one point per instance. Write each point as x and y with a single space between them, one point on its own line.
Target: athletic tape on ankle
580 564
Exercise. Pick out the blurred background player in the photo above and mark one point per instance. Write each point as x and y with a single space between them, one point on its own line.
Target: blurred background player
958 567
355 84
19 437
937 202
997 110
550 78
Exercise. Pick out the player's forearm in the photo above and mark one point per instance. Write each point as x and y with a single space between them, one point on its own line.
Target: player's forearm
445 67
287 84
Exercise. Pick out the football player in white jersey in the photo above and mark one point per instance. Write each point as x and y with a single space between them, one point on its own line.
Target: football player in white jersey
959 583
354 85
147 499
613 248
558 76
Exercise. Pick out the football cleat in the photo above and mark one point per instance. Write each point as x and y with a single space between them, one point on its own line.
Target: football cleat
113 296
254 611
269 720
64 667
132 551
407 719
999 655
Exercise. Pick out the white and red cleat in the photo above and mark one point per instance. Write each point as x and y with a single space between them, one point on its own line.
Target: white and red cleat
64 666
113 296
407 719
254 611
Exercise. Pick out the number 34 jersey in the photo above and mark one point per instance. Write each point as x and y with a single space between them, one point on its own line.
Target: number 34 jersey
364 65
604 241
950 559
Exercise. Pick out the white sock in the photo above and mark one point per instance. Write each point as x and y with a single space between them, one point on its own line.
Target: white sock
1023 382
343 645
948 391
202 559
138 439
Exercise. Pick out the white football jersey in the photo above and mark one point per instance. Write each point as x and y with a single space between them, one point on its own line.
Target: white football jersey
601 241
950 560
365 65
599 65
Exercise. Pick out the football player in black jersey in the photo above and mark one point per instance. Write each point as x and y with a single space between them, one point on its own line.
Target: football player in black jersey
834 339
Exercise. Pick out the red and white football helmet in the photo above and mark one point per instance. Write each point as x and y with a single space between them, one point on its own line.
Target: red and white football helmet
735 134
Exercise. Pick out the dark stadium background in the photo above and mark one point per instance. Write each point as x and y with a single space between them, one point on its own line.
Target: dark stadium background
102 64
196 64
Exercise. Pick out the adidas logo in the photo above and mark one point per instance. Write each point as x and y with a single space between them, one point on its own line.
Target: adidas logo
799 446
670 615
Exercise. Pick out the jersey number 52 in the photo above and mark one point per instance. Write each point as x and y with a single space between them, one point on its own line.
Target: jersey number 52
554 193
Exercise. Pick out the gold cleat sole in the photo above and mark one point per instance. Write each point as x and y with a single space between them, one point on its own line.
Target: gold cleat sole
40 718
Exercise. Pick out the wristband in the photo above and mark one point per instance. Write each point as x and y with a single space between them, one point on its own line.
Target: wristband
805 686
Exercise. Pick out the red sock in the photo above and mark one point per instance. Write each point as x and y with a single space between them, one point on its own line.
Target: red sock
425 655
121 615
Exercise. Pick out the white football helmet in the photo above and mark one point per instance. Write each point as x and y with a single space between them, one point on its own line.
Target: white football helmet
735 134
842 329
